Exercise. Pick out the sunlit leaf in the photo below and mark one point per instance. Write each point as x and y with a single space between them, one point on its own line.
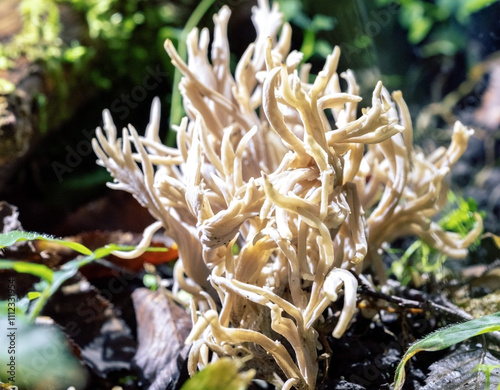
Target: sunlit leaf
472 6
322 23
223 374
419 30
54 279
33 295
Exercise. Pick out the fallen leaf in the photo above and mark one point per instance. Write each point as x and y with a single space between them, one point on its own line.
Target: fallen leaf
162 328
458 370
112 350
106 343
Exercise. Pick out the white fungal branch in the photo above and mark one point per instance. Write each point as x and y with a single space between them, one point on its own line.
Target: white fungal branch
273 208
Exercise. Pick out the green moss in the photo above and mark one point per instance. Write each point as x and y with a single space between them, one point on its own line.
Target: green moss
39 36
6 87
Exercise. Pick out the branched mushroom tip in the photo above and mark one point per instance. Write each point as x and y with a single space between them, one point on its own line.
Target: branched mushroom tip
273 206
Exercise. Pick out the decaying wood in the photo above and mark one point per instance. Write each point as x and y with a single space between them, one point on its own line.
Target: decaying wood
19 109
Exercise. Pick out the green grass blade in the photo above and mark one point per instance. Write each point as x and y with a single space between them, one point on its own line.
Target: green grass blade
445 338
8 239
54 279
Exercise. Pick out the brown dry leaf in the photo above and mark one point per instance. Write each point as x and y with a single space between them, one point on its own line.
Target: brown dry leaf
162 328
458 370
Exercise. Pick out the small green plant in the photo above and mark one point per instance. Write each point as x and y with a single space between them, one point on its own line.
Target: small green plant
421 258
429 21
51 280
487 369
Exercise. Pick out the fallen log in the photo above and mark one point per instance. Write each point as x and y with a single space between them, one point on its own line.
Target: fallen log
27 84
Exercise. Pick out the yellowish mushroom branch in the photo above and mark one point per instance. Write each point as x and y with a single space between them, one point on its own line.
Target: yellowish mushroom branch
275 207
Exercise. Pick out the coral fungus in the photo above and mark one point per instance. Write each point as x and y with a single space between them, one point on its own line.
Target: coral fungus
275 206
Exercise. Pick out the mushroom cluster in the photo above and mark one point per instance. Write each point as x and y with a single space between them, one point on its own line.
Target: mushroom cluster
278 195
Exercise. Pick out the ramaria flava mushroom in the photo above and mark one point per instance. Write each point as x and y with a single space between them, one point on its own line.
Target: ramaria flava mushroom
273 206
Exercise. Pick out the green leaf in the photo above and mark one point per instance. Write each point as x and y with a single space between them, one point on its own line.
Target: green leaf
223 374
437 47
39 270
322 23
307 47
469 7
419 30
74 54
445 338
172 33
472 6
8 239
323 48
33 295
150 281
291 9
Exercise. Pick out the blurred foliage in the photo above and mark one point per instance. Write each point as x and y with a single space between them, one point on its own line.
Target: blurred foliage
441 44
107 47
436 20
293 12
39 37
122 29
222 374
43 358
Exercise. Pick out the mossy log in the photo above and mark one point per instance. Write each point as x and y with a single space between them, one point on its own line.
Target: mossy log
31 95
